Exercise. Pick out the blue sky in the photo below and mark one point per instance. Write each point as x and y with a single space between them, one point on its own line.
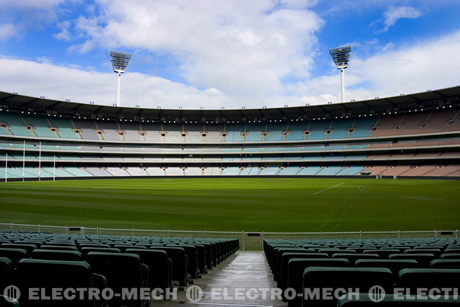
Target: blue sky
230 53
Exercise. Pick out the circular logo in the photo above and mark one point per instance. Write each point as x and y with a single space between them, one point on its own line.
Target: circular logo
376 294
12 294
194 294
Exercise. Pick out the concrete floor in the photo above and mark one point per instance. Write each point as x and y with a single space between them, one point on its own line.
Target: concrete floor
230 279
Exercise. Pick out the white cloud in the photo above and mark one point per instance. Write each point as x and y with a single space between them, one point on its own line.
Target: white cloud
6 31
429 64
426 65
59 82
395 13
30 4
18 16
243 48
233 53
64 34
409 69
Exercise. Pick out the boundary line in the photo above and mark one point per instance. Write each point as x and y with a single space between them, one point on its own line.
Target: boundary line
328 188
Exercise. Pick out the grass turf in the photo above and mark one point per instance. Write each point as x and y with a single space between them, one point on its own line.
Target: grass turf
249 204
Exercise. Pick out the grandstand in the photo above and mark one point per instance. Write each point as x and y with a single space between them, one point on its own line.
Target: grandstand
415 135
410 136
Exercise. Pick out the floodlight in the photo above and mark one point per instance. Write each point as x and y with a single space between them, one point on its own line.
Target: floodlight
119 61
340 56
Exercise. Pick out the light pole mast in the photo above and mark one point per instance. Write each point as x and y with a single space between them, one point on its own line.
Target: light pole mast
119 61
340 56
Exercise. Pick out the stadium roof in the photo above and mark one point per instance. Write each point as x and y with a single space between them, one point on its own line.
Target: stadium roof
448 97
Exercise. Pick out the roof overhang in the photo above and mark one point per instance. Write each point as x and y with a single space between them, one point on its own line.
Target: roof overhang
442 98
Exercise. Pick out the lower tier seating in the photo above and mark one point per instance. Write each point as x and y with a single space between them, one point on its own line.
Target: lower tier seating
40 260
391 264
83 172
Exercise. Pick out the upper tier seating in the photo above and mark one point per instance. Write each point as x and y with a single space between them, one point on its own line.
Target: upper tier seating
65 128
15 125
423 122
310 130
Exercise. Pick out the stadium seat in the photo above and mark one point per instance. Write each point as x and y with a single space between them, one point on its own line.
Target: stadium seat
202 256
122 270
58 247
363 300
93 245
282 270
394 265
159 264
452 251
28 247
6 273
85 250
422 259
296 268
48 274
285 256
60 242
179 262
14 254
429 278
124 247
331 251
346 278
275 261
445 263
48 254
382 253
352 257
433 251
192 259
450 256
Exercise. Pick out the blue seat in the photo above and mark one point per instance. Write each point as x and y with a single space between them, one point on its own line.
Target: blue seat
56 254
394 265
343 278
6 273
159 264
445 263
122 270
429 278
364 300
296 268
49 274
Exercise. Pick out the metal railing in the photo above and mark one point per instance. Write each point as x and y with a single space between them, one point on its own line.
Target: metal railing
248 240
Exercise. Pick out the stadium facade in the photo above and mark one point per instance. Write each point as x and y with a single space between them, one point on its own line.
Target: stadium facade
416 135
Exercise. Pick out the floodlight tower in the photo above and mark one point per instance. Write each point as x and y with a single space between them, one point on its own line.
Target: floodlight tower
340 56
119 63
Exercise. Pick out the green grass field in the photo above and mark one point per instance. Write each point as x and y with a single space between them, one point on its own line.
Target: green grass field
249 204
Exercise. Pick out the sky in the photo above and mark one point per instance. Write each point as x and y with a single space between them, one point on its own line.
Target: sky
227 53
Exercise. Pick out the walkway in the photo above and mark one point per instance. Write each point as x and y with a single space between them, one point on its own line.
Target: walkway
233 277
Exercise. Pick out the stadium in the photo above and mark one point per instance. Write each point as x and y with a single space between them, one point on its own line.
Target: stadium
354 203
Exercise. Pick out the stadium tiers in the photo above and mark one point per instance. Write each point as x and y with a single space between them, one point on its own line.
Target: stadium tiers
387 137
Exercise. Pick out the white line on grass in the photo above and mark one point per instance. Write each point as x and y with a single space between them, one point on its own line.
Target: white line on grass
328 188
